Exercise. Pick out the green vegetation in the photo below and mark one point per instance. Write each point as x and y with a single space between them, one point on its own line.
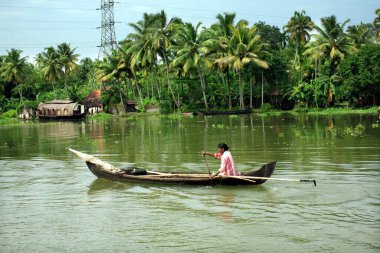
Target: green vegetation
179 67
357 131
100 116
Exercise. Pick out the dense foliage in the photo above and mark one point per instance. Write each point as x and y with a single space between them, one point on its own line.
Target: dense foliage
180 66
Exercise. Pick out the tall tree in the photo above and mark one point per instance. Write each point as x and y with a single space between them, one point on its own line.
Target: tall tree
376 22
68 59
116 67
13 69
223 34
246 47
151 39
360 77
332 41
190 53
51 65
298 28
360 34
163 34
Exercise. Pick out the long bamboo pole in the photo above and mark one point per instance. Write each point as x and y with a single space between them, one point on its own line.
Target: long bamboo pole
278 179
158 174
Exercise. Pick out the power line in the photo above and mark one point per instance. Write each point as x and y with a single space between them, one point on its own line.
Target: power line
47 8
49 29
39 43
45 21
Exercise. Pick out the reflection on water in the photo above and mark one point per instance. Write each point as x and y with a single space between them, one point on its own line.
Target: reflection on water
99 185
227 199
47 194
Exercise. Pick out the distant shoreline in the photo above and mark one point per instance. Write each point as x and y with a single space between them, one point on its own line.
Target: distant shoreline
6 121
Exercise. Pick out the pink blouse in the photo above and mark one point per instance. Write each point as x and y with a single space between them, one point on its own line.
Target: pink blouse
227 166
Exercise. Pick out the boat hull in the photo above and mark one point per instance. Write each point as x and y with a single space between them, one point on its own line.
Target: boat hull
104 170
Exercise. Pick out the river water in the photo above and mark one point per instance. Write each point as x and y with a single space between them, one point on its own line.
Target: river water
50 201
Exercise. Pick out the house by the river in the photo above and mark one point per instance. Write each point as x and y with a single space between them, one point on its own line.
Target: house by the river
92 102
60 109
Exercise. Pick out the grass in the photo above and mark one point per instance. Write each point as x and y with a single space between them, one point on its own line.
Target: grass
9 121
320 111
328 111
100 116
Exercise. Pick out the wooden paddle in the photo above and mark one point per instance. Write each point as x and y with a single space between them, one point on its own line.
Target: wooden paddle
209 172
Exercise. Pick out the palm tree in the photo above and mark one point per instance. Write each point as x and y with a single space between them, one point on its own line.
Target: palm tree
151 39
224 24
315 56
331 41
163 34
139 46
298 28
223 34
376 22
13 69
51 65
116 67
68 60
138 43
245 47
359 34
190 52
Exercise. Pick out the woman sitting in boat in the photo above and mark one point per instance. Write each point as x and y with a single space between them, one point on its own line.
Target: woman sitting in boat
227 166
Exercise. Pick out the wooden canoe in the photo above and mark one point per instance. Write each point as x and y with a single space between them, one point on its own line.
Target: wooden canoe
105 170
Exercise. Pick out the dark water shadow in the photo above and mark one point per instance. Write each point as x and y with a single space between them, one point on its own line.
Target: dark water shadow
100 184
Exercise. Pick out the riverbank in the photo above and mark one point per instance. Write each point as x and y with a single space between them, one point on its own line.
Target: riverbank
6 120
322 111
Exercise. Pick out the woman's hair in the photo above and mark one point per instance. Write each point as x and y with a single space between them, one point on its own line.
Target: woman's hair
223 146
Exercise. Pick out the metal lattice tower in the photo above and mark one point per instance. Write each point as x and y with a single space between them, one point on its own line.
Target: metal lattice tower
108 39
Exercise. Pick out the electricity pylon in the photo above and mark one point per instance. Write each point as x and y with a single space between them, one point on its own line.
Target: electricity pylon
108 39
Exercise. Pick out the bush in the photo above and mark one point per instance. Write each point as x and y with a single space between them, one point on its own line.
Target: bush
100 116
265 108
9 114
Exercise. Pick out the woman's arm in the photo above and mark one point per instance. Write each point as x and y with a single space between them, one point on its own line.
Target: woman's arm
215 155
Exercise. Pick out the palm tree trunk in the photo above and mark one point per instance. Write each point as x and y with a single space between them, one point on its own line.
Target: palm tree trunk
168 80
21 98
157 84
139 92
121 98
262 88
223 81
251 94
52 83
203 86
67 93
315 68
229 89
295 57
241 91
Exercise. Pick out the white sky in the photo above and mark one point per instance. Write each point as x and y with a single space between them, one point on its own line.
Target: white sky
32 25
